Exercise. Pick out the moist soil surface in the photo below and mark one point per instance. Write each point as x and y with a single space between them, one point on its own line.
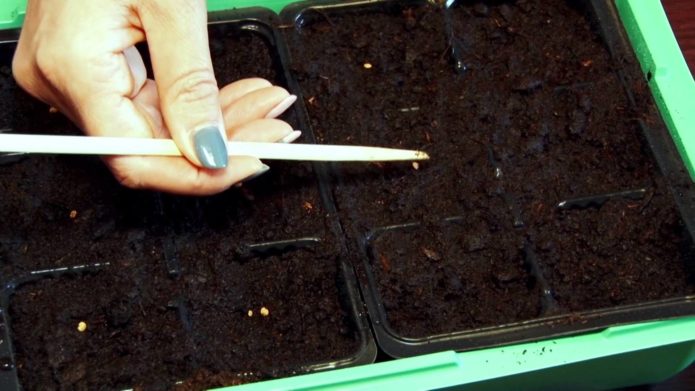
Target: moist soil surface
179 276
528 110
456 262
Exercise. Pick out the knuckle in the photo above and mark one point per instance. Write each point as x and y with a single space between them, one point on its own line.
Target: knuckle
22 68
128 180
259 82
124 175
171 11
187 8
194 86
203 185
47 61
198 184
45 58
26 74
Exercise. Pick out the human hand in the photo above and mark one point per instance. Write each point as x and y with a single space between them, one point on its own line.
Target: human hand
79 56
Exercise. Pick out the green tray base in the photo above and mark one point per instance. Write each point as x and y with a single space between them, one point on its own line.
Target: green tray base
616 357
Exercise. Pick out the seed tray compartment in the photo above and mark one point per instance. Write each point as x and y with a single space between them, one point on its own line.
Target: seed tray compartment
479 283
171 251
137 312
125 320
392 62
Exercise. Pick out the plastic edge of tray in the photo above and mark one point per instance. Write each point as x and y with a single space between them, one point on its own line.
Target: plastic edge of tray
274 5
615 357
669 345
665 69
12 14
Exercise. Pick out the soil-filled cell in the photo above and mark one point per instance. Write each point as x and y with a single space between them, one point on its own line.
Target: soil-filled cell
458 275
624 252
383 78
160 313
269 315
553 100
523 101
111 329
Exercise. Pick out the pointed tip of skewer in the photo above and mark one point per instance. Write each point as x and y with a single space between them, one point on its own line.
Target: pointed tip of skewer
420 155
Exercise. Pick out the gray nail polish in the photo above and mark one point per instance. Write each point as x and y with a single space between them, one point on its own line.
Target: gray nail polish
258 173
211 147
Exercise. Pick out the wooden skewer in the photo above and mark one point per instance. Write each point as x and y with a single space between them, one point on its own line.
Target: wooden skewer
84 145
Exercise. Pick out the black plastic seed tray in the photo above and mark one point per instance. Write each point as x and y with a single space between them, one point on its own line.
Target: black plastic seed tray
110 288
555 202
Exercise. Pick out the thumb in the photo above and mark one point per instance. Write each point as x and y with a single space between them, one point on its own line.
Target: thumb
176 33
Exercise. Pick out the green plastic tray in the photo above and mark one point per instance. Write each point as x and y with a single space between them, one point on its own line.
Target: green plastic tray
11 13
664 66
615 357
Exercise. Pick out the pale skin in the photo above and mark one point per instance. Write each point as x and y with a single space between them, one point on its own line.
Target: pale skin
79 56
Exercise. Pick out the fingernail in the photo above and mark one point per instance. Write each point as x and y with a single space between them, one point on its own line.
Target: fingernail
258 173
211 147
282 106
291 137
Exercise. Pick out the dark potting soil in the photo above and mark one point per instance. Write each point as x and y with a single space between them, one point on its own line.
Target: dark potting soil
625 252
261 248
172 303
148 331
257 314
133 336
568 130
538 116
474 266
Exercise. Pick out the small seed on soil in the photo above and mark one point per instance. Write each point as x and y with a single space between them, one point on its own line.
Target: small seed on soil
250 313
82 327
367 65
265 311
416 165
53 110
73 214
587 63
308 206
431 254
385 263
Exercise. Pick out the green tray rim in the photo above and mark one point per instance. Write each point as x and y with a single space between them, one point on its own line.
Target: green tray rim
671 344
